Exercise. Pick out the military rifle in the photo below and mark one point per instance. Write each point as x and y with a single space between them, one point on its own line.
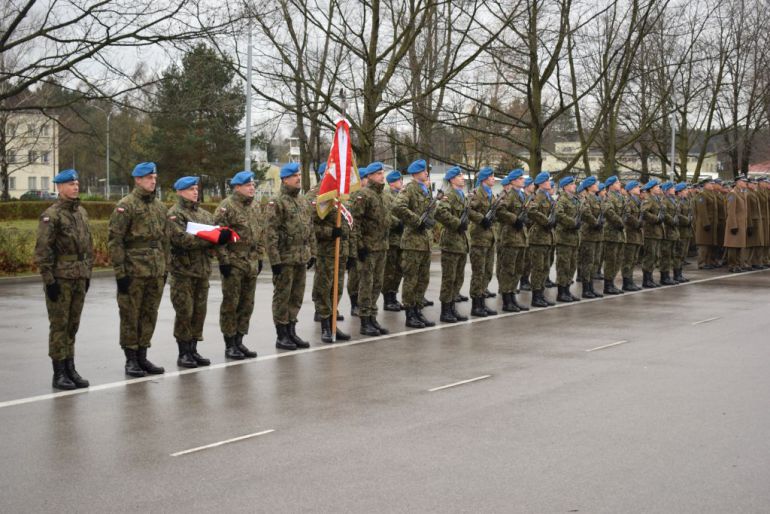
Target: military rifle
426 219
492 211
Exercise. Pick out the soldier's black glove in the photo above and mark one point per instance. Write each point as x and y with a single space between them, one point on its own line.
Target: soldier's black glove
399 229
486 223
363 253
518 224
225 270
311 262
734 231
88 284
707 228
224 236
259 266
52 291
276 269
749 231
463 226
123 284
336 232
350 263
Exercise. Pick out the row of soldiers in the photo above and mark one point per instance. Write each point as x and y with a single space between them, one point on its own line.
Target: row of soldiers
386 239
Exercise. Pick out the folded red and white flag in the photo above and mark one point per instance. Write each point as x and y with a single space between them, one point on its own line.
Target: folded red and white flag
210 232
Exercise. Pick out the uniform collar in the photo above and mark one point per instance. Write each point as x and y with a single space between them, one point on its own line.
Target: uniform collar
188 204
71 205
245 200
145 196
377 187
289 191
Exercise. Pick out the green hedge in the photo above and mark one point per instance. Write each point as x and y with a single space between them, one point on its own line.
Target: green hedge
33 210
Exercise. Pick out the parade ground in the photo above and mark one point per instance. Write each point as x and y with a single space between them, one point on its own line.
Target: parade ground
655 401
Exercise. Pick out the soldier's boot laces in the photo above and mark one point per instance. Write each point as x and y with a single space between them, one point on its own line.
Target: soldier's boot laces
376 324
242 347
457 315
367 328
477 307
199 359
326 330
425 321
538 299
517 304
411 318
60 378
146 365
509 303
132 365
586 286
232 351
609 287
447 316
72 374
665 279
283 341
563 295
185 359
297 340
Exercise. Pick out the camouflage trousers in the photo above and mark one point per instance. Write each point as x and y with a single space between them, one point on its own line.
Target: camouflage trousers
613 257
370 283
630 256
288 292
599 257
416 266
393 271
189 296
681 248
139 311
510 265
539 256
64 318
526 265
237 302
666 261
651 254
323 285
588 255
353 278
482 266
566 264
452 275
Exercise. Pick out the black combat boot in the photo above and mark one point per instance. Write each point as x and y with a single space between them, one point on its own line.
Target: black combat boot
354 305
326 330
563 295
609 287
626 284
60 378
447 316
517 304
679 277
587 292
525 284
596 293
426 302
647 282
461 298
376 324
200 360
509 305
242 347
340 317
340 335
231 350
490 312
72 374
132 365
457 315
538 299
598 275
489 294
477 307
549 283
283 341
367 328
297 340
412 321
423 319
574 298
390 302
665 279
630 285
185 360
147 366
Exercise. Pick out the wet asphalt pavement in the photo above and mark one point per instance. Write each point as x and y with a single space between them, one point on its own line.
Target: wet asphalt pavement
666 413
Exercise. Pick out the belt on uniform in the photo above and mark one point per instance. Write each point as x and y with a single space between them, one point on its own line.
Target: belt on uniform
134 245
71 257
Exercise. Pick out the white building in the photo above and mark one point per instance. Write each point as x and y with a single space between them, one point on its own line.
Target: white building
32 152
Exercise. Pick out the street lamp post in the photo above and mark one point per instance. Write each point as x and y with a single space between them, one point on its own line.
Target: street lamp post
247 149
672 121
107 183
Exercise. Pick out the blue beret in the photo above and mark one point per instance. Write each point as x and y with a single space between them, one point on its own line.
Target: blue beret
610 181
649 185
364 171
505 181
65 176
375 167
566 181
289 169
601 186
527 181
417 166
484 173
631 184
143 169
718 181
680 187
393 176
586 183
667 185
452 173
321 169
517 173
185 183
242 177
542 177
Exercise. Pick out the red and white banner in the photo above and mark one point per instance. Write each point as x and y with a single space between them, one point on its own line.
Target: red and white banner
210 232
341 177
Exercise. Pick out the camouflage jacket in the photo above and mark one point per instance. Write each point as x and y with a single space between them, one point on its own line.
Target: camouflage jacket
568 209
480 202
64 247
511 209
685 218
448 213
614 210
323 227
652 214
590 231
409 206
241 214
633 221
541 233
396 225
671 218
289 231
138 241
190 255
371 218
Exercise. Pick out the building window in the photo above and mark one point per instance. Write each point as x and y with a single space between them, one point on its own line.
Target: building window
32 156
31 183
12 183
44 183
11 129
45 130
45 157
31 129
11 157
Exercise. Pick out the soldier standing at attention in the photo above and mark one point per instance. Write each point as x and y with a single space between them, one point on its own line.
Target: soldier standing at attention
354 276
64 254
590 236
239 263
652 216
512 245
370 210
567 238
412 202
706 221
482 252
393 273
291 248
139 252
190 270
541 237
529 192
682 246
614 234
634 237
670 234
454 243
736 223
755 232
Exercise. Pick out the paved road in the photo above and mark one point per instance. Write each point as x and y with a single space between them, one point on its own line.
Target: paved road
674 419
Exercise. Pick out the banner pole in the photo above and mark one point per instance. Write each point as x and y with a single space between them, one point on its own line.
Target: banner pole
338 224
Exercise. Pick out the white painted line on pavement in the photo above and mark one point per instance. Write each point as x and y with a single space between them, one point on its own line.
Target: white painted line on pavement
221 443
607 346
439 326
482 377
706 320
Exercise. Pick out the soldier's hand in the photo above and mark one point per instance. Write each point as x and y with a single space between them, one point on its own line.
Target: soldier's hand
224 236
336 232
259 266
52 291
518 224
350 263
363 253
734 231
123 284
399 229
276 269
430 223
88 284
463 226
225 270
707 228
310 262
486 223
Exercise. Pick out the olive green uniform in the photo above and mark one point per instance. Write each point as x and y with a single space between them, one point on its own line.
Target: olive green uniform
371 213
454 244
652 228
632 219
685 231
513 242
393 272
590 237
409 206
567 237
541 237
614 234
482 249
670 233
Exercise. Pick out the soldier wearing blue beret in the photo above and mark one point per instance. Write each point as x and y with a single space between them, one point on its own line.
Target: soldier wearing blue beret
634 236
591 236
512 242
482 243
541 240
614 234
391 282
567 237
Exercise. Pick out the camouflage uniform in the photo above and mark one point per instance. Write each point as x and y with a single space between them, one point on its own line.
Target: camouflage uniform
670 234
634 237
567 237
369 211
139 249
512 245
614 235
482 250
409 206
652 214
241 214
454 244
354 275
393 272
590 237
64 254
540 237
685 232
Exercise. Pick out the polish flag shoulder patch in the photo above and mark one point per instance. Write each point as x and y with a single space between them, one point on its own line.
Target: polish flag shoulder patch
120 209
46 219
